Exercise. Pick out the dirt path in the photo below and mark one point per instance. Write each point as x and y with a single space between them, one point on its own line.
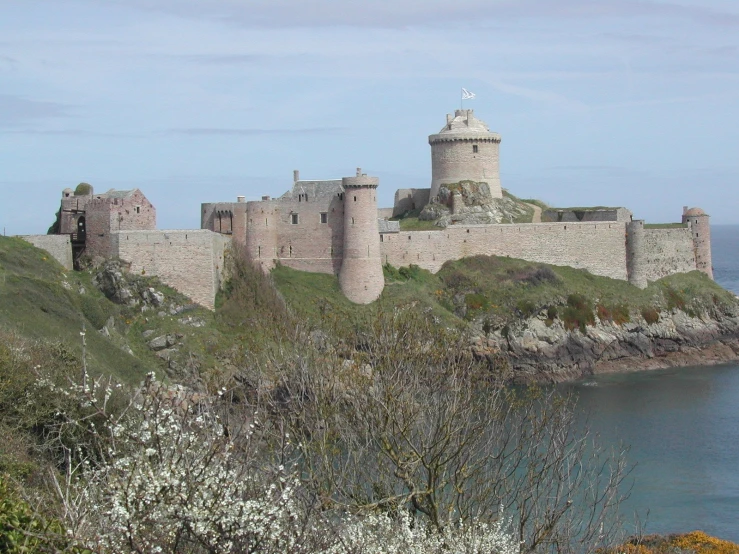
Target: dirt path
536 218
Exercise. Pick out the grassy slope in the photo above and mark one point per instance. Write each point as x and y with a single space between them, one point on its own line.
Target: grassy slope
40 300
501 290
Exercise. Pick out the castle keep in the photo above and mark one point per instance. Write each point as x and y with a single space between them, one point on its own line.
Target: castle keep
335 227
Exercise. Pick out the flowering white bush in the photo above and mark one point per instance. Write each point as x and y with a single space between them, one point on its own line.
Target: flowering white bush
168 477
173 480
383 534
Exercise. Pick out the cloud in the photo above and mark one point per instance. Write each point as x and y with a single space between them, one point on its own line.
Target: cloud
69 133
16 110
222 59
209 131
400 13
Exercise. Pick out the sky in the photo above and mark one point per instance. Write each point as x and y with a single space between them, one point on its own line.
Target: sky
599 102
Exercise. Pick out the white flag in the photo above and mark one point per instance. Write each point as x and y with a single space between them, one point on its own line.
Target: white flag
467 95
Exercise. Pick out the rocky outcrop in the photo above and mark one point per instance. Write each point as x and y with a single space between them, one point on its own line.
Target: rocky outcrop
470 203
538 349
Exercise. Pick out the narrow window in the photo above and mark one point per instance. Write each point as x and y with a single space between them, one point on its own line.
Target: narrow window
382 238
474 149
294 219
352 221
138 209
259 254
291 251
324 217
355 198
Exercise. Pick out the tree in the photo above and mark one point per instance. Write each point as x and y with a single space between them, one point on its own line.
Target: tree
413 422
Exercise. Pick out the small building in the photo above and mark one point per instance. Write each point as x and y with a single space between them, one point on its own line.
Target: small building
89 218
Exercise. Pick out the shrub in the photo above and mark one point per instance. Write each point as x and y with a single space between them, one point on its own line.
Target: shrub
526 308
83 189
617 313
578 313
675 299
650 315
22 529
456 280
391 273
476 301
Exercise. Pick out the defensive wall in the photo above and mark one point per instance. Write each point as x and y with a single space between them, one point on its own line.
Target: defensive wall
598 247
58 246
658 252
407 200
191 261
585 214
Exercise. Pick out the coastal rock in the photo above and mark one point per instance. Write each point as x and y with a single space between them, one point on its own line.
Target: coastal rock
537 350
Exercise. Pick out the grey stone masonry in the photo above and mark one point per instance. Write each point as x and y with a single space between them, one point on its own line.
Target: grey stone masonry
58 246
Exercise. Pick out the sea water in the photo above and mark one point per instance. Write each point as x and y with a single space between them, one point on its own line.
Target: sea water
682 426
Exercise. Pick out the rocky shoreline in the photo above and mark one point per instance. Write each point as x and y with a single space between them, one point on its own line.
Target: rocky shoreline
539 350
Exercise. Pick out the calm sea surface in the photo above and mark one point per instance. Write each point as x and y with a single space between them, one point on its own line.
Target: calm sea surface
683 428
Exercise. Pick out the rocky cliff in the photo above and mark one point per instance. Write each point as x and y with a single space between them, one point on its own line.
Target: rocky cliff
539 349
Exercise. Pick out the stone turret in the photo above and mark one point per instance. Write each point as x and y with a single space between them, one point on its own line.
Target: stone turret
360 276
261 235
700 230
465 150
637 262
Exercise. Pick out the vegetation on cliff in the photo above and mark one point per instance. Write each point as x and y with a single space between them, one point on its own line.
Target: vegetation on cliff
292 421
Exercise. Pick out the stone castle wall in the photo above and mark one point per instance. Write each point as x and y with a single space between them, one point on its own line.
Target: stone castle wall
407 200
586 215
191 261
228 218
598 247
58 246
666 252
308 244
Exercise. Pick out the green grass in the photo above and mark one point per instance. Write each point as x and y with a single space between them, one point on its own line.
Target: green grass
665 225
409 222
498 291
40 300
415 224
536 202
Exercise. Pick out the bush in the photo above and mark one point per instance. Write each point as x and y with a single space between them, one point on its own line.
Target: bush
578 313
675 299
650 315
23 529
617 313
476 301
83 189
526 308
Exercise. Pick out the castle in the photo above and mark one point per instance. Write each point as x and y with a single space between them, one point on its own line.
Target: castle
334 226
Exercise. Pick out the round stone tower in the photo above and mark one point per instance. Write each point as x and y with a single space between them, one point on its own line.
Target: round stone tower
261 233
360 276
465 150
637 261
700 230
